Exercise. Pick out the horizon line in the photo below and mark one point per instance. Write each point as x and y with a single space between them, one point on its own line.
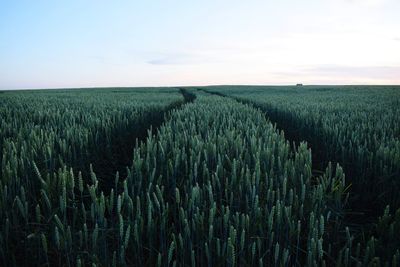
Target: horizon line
176 86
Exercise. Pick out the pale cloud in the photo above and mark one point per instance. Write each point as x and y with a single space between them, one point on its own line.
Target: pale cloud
389 72
166 61
370 3
186 58
338 74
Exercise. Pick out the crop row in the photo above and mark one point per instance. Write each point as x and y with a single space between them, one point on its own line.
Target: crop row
216 185
359 128
74 128
46 131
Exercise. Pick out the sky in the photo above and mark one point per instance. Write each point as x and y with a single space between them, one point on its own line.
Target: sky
59 44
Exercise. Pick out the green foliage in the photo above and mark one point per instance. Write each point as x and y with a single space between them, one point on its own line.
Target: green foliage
358 127
213 184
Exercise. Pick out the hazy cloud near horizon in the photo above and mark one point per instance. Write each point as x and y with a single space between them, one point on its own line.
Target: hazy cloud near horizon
96 43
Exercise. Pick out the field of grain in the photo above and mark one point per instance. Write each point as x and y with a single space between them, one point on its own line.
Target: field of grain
201 176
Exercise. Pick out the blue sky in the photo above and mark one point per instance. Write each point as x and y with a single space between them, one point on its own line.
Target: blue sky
52 44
